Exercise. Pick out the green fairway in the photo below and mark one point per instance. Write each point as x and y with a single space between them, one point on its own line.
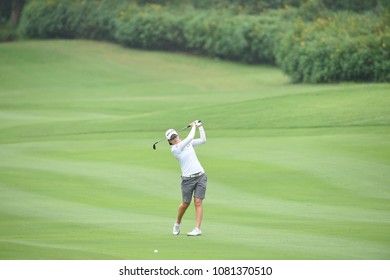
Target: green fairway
295 171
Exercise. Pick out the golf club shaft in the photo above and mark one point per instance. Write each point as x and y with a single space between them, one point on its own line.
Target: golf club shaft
181 129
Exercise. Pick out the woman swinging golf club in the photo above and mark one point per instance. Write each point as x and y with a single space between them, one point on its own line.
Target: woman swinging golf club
193 179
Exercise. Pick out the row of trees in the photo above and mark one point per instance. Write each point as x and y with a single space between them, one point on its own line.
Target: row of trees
311 43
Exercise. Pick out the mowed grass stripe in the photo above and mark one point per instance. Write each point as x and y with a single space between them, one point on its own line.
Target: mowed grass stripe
76 214
321 157
258 205
99 177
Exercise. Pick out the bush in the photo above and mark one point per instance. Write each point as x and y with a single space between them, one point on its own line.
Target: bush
352 5
310 44
97 19
248 6
7 32
218 34
264 34
200 31
47 19
343 47
69 19
245 38
149 27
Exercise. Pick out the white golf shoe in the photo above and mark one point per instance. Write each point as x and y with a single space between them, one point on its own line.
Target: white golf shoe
195 232
176 229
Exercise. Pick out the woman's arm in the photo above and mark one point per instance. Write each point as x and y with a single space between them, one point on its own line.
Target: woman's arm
188 139
202 138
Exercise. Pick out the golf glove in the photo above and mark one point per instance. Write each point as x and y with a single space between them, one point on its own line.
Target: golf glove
198 123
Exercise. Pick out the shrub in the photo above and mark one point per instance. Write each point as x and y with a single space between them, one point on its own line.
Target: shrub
199 31
149 27
264 34
7 31
310 44
343 47
69 19
97 19
47 19
352 5
245 38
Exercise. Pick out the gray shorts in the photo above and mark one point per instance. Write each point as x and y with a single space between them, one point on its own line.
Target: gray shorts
195 186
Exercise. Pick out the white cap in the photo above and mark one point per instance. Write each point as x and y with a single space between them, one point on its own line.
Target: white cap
169 133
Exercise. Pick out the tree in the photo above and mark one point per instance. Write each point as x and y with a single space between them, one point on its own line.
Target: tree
5 9
17 7
10 11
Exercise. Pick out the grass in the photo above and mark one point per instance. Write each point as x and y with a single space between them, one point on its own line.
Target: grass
295 171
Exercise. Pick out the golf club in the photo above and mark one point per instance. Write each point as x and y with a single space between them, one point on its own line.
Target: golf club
181 129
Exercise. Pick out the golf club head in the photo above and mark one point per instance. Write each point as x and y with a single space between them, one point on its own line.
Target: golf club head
154 146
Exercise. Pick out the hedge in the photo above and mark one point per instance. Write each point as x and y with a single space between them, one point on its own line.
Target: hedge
310 44
149 27
341 47
69 19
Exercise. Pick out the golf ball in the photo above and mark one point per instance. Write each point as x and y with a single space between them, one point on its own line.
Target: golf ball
155 250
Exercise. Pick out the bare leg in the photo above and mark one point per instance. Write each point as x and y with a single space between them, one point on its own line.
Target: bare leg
198 211
182 209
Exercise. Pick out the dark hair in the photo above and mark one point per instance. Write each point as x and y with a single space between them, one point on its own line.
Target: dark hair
173 136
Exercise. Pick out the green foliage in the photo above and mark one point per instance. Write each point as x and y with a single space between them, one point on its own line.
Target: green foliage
149 27
48 19
263 34
312 9
342 47
243 38
7 32
5 10
97 20
352 5
311 44
214 33
69 19
248 6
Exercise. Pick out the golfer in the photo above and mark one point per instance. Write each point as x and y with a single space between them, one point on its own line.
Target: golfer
193 179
